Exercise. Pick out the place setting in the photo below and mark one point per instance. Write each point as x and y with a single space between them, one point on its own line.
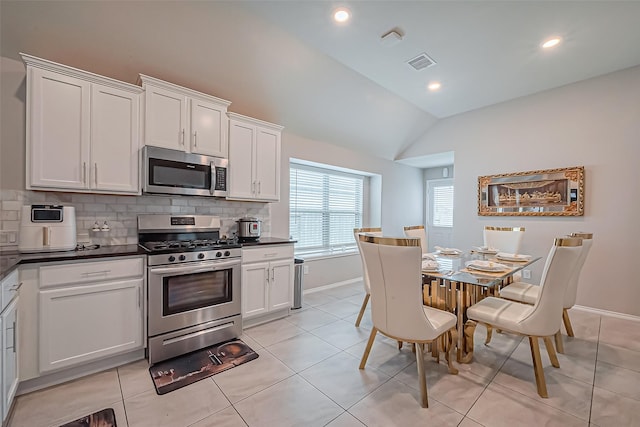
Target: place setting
447 251
483 267
504 256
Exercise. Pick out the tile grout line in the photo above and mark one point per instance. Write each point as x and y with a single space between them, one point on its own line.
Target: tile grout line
595 368
124 407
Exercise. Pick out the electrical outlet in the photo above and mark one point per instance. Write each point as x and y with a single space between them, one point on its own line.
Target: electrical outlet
8 238
305 269
526 274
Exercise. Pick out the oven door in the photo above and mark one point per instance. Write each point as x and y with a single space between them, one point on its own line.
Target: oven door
186 295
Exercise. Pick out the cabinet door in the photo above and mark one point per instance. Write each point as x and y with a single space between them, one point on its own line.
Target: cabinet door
83 323
241 161
114 139
267 164
255 286
57 131
165 118
281 285
9 356
208 129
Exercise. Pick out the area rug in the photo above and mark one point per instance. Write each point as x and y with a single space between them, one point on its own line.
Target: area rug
183 370
104 418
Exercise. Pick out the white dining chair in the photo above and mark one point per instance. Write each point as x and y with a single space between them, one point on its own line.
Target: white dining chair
504 239
395 272
540 320
418 231
372 231
528 293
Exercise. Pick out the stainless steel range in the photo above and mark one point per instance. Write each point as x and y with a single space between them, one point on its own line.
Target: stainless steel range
193 281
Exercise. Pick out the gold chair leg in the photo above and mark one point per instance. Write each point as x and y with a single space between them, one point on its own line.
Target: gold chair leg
364 306
469 330
424 401
489 333
537 367
452 336
559 343
551 352
365 356
400 345
567 322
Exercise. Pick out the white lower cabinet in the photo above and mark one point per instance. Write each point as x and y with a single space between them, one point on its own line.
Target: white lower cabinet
83 323
267 280
8 341
9 319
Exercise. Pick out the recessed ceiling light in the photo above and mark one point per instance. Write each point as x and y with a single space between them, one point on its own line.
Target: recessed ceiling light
552 42
341 15
433 86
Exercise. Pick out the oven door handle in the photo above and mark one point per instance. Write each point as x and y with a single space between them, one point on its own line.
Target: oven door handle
199 268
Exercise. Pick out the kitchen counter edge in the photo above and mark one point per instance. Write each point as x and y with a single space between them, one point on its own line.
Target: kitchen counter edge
9 261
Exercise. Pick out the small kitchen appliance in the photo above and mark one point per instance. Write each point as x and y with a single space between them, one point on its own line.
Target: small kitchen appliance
193 280
248 228
47 228
175 172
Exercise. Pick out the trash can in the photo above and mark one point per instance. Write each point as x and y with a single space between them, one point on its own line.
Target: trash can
297 283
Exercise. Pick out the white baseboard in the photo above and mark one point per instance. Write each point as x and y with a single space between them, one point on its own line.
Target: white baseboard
607 313
332 285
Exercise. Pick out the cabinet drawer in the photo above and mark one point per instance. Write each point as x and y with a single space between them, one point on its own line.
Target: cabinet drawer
267 253
9 289
65 274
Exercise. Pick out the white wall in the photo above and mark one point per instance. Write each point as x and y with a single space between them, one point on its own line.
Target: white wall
595 123
402 199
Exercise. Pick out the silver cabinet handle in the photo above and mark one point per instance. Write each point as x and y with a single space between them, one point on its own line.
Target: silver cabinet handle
253 187
95 174
16 287
14 336
259 187
182 137
95 273
84 172
273 274
139 297
195 138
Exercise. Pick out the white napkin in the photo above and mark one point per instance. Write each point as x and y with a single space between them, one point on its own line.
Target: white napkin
448 251
509 256
485 249
430 265
428 256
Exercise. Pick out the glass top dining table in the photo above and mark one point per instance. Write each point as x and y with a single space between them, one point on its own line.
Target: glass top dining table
455 286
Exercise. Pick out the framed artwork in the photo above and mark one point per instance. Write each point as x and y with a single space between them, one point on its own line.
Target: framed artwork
551 192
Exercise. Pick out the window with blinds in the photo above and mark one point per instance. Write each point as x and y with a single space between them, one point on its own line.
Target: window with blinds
324 208
441 201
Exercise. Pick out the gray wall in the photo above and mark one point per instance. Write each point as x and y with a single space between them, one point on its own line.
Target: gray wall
595 123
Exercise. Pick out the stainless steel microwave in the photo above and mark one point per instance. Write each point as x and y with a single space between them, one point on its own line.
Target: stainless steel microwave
175 172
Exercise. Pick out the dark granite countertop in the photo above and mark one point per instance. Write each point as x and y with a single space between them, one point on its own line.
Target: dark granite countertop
10 260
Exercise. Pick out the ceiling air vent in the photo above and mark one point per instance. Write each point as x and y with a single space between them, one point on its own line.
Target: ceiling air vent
421 62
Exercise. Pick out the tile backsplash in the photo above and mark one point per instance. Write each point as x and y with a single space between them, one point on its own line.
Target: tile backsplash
121 212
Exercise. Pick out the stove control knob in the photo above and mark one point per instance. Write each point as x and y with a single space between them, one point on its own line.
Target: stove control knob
218 254
172 258
227 253
182 258
200 256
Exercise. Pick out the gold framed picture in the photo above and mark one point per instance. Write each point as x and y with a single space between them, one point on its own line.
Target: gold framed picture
550 192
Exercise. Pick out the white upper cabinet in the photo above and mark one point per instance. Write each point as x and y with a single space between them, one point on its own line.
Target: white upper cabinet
183 119
254 159
83 130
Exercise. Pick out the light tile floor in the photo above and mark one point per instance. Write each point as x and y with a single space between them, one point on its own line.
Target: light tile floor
307 375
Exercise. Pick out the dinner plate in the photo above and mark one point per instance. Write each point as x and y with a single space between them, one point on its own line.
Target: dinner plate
488 251
494 269
449 251
430 266
513 257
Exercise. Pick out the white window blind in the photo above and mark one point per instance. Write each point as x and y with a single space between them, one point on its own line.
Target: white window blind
324 208
442 205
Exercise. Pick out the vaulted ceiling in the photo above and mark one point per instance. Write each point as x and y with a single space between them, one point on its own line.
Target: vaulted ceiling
287 62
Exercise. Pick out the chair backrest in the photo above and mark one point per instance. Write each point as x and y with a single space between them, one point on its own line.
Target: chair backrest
572 289
372 231
505 239
395 273
419 232
544 319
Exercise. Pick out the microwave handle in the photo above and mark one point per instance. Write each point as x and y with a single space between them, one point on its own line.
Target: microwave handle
213 178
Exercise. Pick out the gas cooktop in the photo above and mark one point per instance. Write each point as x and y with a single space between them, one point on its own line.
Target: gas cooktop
166 246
